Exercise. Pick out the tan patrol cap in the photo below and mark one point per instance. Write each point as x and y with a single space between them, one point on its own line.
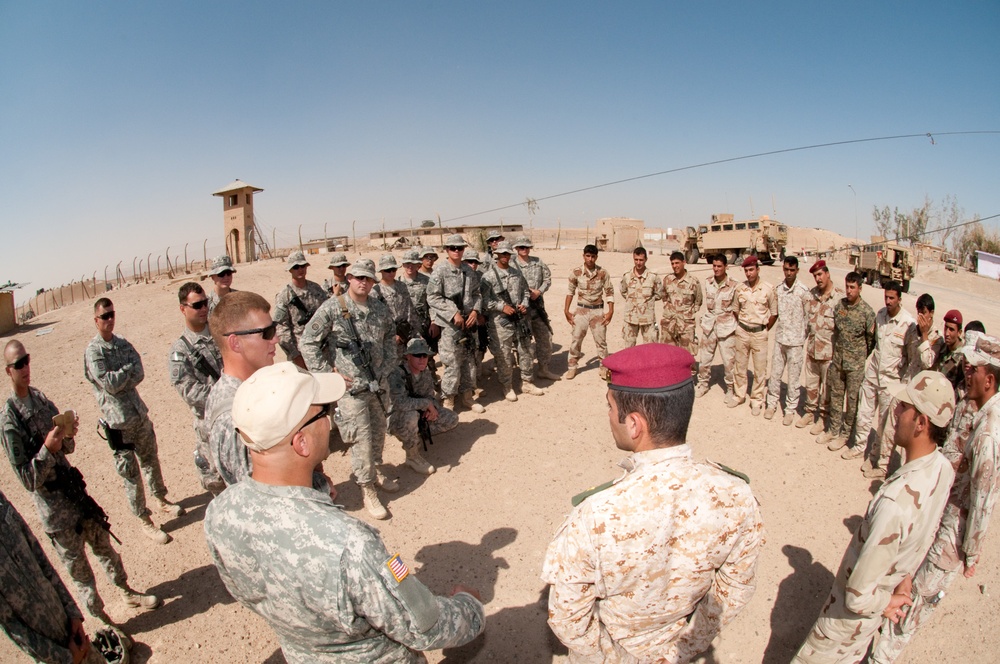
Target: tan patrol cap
930 393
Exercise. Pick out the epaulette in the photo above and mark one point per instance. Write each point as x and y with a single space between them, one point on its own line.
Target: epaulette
731 471
580 497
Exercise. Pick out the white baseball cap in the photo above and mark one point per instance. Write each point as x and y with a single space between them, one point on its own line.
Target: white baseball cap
271 403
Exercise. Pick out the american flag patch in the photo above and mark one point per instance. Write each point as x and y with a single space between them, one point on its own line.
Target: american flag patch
398 568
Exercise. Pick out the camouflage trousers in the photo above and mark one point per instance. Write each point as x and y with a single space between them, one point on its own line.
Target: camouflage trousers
785 357
841 383
208 474
543 340
70 547
747 343
815 382
362 426
839 640
706 353
588 319
139 432
631 332
458 355
679 332
503 340
876 393
403 425
927 583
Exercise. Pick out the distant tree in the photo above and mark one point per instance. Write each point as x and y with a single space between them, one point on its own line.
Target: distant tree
885 221
427 223
948 219
975 238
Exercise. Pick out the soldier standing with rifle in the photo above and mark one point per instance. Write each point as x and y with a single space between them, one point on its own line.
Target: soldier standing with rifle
295 305
539 278
416 283
396 296
37 438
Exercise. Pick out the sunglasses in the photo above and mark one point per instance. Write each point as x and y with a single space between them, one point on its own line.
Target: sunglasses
20 363
200 304
223 275
266 332
107 315
324 410
298 267
389 269
455 248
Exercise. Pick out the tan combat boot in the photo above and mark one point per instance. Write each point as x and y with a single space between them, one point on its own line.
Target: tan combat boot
173 509
372 502
449 403
416 461
545 374
570 372
508 393
469 401
532 389
153 532
136 599
387 484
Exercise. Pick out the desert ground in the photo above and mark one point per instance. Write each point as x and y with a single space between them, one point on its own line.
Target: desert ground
503 486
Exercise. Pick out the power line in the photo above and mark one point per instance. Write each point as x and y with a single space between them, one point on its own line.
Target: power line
816 146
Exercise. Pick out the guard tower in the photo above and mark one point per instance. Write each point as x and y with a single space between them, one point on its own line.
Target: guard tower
237 207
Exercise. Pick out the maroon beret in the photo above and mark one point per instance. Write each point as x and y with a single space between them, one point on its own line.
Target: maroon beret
650 368
817 266
750 261
954 316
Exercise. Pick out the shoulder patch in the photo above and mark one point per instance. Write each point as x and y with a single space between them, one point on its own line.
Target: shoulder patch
176 357
397 568
580 497
731 471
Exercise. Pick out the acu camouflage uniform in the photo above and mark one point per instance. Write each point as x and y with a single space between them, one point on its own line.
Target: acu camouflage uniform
853 339
682 298
410 396
401 310
754 307
502 329
361 413
680 564
593 290
539 278
195 365
291 318
337 595
959 540
640 293
457 346
789 339
213 299
889 544
36 467
114 369
819 349
35 607
718 325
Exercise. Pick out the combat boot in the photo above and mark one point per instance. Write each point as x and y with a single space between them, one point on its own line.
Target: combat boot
805 421
545 374
789 418
372 502
138 600
853 452
837 443
449 403
701 390
469 401
532 389
153 532
817 427
387 484
508 393
416 461
570 372
173 509
824 438
769 412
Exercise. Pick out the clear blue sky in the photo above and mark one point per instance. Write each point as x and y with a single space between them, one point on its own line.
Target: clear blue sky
118 120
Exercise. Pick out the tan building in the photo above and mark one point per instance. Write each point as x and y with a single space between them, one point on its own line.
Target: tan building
237 207
619 234
8 316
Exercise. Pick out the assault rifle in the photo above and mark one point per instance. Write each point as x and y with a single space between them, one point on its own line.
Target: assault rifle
423 426
201 363
362 358
69 481
539 307
521 327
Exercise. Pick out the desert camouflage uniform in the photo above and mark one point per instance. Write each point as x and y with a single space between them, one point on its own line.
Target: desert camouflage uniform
754 308
61 518
640 292
337 595
853 340
291 320
401 309
360 417
35 606
789 341
457 347
409 399
819 349
503 333
959 538
682 299
895 359
539 278
718 325
114 369
193 383
888 545
643 572
593 290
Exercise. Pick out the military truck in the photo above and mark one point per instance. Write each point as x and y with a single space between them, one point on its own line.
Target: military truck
764 238
884 261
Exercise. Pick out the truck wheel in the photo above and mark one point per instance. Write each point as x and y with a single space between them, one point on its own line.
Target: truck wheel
693 256
782 254
906 286
877 281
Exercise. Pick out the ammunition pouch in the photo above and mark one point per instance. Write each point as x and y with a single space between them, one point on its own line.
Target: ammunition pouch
114 437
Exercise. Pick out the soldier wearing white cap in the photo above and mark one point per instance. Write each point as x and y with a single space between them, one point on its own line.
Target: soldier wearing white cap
337 285
294 305
222 276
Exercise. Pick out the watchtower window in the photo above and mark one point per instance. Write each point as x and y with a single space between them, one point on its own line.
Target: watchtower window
248 199
741 227
234 200
754 225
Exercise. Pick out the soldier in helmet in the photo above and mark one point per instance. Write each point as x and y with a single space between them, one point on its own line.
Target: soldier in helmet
222 276
395 295
337 284
539 278
294 305
427 259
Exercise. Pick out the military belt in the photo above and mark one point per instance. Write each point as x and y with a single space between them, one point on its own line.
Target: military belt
752 328
590 306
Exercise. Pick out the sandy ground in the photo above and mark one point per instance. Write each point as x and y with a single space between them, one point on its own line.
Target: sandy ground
503 486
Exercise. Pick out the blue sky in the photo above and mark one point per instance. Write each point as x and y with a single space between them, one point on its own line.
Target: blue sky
118 120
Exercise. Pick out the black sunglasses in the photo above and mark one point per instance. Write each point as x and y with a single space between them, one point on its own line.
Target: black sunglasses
418 354
107 315
225 274
324 410
389 269
266 332
20 363
200 304
455 248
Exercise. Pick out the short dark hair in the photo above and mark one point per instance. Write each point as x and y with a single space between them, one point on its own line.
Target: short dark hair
676 256
590 249
720 258
232 311
103 303
925 301
853 278
791 260
975 326
937 434
893 286
668 414
187 289
639 251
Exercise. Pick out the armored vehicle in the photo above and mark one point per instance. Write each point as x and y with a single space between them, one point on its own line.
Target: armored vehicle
764 238
884 261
